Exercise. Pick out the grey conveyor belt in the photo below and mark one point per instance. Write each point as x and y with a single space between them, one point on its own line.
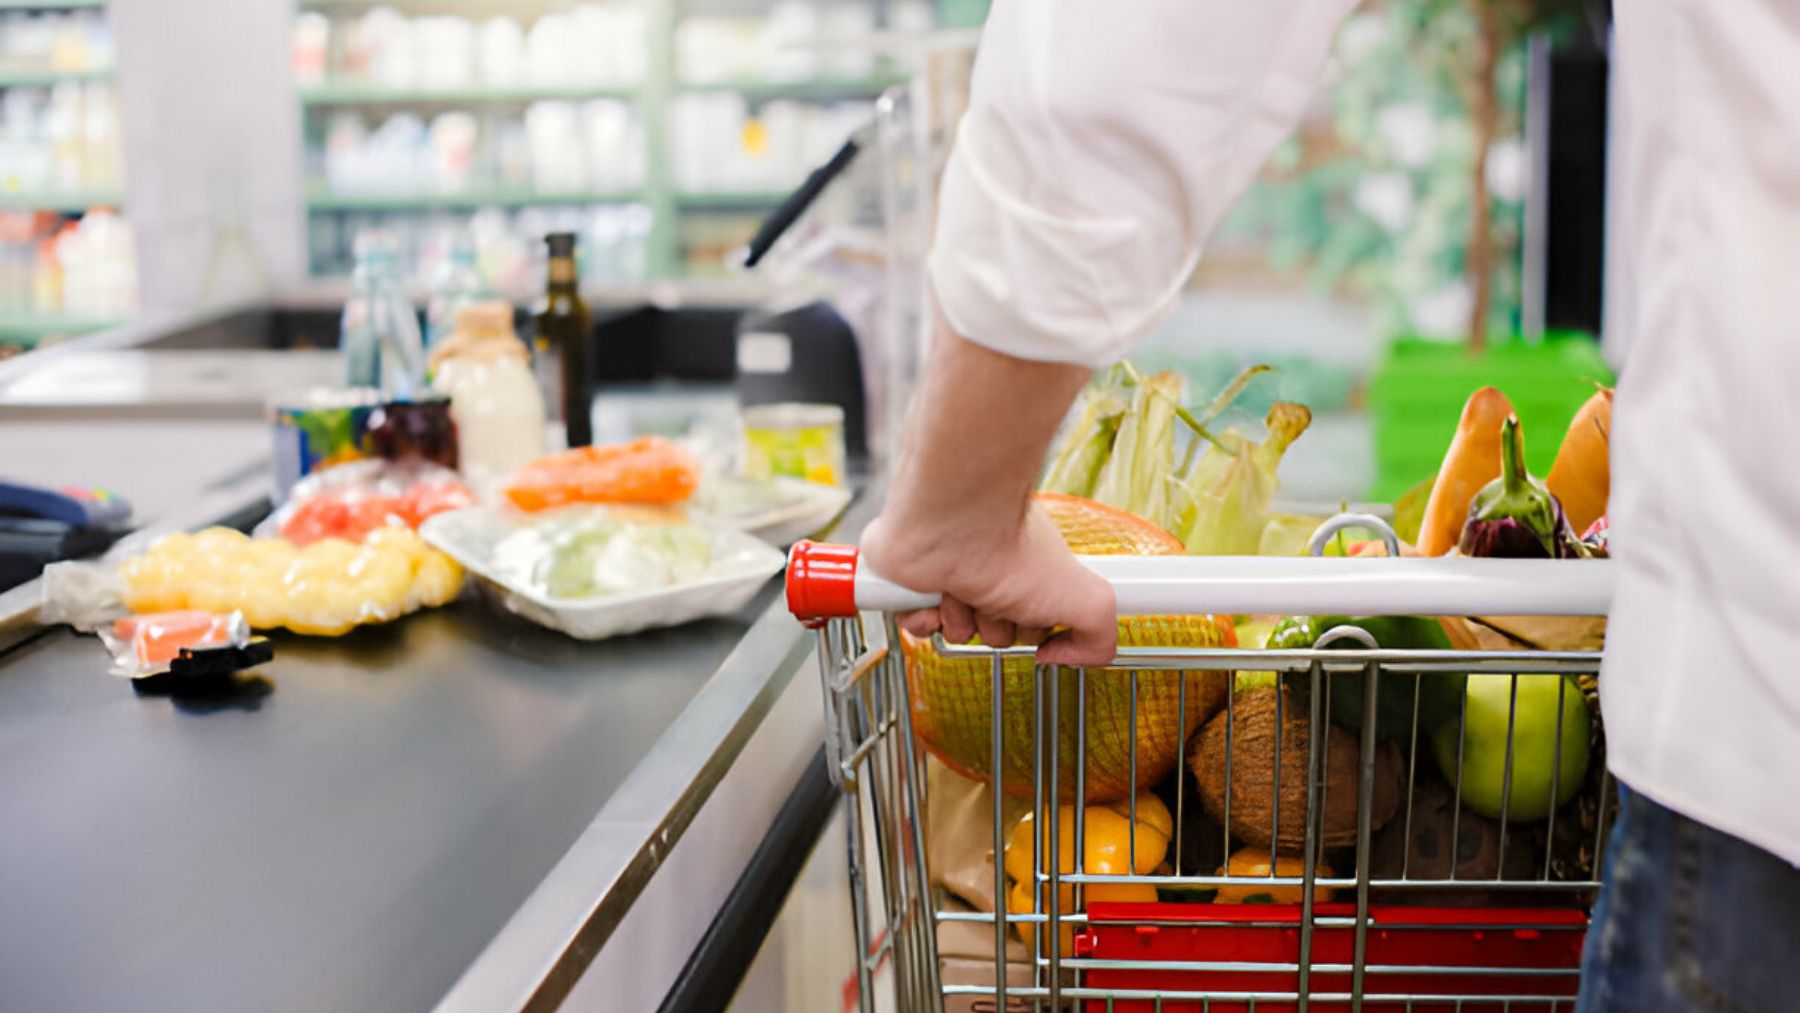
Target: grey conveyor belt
350 841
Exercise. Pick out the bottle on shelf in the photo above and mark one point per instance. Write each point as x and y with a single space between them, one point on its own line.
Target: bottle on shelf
459 283
379 332
564 328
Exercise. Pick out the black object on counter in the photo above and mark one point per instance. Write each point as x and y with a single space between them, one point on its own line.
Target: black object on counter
806 354
41 526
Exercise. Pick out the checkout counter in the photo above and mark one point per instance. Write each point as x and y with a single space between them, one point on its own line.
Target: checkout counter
458 810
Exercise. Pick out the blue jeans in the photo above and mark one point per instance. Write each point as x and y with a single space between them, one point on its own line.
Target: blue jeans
1690 919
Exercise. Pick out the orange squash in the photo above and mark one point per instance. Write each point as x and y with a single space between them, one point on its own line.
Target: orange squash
1472 461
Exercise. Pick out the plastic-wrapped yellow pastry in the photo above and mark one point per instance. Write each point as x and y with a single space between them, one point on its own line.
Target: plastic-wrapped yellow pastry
325 589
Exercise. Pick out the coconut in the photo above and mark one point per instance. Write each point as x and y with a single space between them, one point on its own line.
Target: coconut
1255 777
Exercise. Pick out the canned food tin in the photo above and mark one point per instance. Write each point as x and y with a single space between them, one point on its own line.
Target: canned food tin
318 429
796 440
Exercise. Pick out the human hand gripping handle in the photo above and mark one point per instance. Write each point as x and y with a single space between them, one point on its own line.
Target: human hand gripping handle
1014 586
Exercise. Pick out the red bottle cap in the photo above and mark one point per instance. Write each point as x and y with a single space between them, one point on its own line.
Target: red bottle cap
821 581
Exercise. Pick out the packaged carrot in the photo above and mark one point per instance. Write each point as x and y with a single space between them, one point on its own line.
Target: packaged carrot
649 470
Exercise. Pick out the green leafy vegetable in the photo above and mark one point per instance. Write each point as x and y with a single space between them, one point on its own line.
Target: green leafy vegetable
1121 451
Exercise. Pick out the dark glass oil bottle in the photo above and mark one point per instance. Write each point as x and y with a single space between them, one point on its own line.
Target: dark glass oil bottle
564 329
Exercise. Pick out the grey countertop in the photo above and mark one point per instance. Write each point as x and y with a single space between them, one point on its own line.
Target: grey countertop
453 808
350 841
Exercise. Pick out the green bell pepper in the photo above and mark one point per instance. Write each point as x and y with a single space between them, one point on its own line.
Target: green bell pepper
1439 696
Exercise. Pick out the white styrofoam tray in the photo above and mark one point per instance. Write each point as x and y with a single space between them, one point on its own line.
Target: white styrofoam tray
803 510
741 564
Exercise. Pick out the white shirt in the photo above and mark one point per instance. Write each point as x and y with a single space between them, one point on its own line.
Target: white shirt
1105 140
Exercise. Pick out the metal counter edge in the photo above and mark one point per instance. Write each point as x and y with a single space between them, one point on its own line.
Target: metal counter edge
542 951
549 942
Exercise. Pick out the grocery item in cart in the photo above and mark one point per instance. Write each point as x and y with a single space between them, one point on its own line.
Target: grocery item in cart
1472 461
1252 760
1522 744
1341 927
1123 450
1127 838
1515 516
325 589
595 572
951 696
647 471
1252 864
1581 477
352 501
1405 705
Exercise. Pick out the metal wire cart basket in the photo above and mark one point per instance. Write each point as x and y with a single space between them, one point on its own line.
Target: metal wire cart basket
1345 824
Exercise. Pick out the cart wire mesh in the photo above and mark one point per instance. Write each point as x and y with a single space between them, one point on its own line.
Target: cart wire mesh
1367 881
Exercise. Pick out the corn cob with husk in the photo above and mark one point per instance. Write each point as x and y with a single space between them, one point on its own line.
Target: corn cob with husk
1122 451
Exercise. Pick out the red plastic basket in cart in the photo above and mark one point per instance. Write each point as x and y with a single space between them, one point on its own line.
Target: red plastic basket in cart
1416 939
1424 958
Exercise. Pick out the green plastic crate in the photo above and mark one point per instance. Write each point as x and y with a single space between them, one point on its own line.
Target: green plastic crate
1418 391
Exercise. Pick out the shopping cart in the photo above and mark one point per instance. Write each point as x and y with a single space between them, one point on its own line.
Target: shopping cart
1346 920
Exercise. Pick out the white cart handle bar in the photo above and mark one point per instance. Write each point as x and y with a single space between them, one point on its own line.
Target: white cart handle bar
826 582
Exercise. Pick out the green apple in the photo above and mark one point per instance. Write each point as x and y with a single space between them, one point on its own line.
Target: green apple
1537 716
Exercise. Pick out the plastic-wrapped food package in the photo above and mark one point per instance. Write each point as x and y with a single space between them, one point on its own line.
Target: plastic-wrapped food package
145 645
596 572
353 500
647 471
326 588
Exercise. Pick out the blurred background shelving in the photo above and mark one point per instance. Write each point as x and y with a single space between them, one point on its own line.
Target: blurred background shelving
67 261
660 130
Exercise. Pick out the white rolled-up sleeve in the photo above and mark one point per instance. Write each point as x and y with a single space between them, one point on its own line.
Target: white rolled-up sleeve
1105 139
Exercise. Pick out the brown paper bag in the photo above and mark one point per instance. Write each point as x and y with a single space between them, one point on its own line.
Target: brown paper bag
966 957
959 834
1539 633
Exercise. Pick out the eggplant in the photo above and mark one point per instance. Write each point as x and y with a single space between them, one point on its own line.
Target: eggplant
1516 516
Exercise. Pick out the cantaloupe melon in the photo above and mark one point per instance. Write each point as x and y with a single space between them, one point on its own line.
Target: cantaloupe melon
952 698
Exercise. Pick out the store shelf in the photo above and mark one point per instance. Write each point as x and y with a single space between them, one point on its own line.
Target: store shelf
732 200
46 78
70 201
322 199
818 89
27 328
344 94
50 5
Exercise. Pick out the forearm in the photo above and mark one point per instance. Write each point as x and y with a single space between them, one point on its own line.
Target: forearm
976 439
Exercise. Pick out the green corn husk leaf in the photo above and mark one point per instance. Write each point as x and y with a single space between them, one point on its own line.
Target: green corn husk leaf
1226 497
1233 390
1134 477
1088 442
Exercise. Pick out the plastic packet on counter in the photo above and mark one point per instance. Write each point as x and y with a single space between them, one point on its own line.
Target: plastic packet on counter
326 588
148 644
647 471
87 596
353 500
